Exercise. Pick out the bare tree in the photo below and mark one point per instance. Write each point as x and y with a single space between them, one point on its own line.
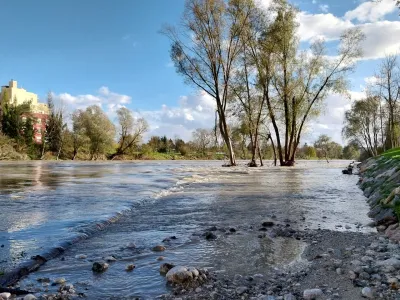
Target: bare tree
202 139
205 49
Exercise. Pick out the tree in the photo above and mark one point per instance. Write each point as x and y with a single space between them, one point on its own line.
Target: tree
205 48
98 129
131 131
351 151
13 123
244 86
55 127
202 139
323 144
79 138
388 87
295 83
362 124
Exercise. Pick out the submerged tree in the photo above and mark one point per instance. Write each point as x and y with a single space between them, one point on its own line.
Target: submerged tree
205 49
298 83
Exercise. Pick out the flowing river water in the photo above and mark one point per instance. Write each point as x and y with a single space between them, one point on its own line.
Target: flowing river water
44 204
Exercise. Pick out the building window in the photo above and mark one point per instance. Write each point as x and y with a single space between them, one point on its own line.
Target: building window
39 121
39 130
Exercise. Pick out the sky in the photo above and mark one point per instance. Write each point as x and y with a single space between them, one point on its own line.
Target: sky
111 53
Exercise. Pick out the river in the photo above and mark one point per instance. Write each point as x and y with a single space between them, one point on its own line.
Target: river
44 204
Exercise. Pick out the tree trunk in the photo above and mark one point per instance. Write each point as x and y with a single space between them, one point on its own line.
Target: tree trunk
227 139
254 146
260 156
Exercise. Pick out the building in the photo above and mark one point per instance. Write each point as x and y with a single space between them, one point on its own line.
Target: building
39 111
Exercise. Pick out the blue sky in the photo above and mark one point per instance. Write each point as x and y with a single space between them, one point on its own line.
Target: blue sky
111 53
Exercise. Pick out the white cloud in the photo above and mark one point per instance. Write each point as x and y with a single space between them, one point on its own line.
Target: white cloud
327 26
194 111
324 7
331 120
109 101
381 36
371 11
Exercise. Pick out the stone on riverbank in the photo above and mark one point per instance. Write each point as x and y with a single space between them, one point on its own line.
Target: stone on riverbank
130 267
5 296
367 293
158 248
164 268
30 297
210 236
186 276
179 275
312 294
99 267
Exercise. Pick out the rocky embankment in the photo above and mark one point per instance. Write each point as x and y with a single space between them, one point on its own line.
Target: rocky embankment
380 181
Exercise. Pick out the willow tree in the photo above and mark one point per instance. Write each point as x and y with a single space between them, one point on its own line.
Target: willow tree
205 48
297 82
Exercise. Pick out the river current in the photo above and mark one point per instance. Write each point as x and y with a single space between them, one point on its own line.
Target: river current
43 204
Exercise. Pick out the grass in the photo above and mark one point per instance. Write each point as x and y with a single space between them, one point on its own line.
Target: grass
392 153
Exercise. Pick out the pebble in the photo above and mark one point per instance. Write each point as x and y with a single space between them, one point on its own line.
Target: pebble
110 259
99 267
241 290
131 245
30 297
60 280
130 267
158 248
312 294
367 293
289 297
5 296
81 256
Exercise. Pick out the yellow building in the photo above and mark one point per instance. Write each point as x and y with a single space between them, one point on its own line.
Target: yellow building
39 111
19 96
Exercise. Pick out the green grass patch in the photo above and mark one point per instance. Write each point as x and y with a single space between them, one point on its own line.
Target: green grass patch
392 153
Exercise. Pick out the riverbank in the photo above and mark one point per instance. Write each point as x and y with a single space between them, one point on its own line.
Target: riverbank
380 182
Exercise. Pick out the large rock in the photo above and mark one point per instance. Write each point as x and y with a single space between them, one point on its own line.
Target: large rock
180 274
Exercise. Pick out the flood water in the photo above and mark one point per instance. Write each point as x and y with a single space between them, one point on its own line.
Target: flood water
43 204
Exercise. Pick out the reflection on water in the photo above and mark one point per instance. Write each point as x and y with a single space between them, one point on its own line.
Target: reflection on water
43 203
